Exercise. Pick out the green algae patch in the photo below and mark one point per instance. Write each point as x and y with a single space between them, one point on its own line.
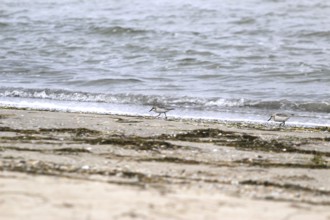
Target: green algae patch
70 150
199 134
229 138
245 141
19 149
66 150
311 129
14 108
75 131
20 131
318 160
28 138
268 164
273 146
5 116
207 133
46 134
130 142
65 170
286 186
140 177
171 160
254 143
126 121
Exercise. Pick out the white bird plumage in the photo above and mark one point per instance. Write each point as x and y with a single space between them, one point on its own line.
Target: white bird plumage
161 110
280 117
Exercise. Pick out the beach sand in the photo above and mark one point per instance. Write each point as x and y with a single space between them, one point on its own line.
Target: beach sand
57 165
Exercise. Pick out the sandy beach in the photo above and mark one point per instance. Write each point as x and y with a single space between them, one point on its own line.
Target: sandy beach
58 165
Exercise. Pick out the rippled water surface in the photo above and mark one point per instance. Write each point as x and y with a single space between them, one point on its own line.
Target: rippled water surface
237 60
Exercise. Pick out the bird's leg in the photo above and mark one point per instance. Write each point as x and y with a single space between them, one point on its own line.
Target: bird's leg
158 115
165 115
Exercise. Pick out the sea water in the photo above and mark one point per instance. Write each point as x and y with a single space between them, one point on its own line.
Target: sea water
238 60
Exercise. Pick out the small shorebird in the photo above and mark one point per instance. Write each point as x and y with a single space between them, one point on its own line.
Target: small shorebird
161 110
280 117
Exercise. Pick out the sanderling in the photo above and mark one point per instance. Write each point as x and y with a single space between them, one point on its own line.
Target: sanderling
161 110
280 117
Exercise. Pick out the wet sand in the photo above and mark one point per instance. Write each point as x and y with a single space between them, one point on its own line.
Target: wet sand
57 165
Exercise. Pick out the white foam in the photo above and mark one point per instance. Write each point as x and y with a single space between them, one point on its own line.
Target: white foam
143 110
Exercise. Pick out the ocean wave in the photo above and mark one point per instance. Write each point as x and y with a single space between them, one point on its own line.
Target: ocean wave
310 34
185 102
116 30
4 24
106 81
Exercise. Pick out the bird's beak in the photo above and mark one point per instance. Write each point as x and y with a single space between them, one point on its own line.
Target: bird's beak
270 118
151 109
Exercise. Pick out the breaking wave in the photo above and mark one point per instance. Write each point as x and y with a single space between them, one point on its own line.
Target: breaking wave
185 102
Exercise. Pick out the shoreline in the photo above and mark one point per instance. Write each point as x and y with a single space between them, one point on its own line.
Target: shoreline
159 169
258 117
149 115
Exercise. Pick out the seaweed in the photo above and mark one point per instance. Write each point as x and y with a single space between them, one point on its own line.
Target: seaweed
27 138
274 146
318 160
5 116
54 169
287 186
60 150
245 141
267 164
75 131
21 131
196 135
132 142
71 150
171 160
